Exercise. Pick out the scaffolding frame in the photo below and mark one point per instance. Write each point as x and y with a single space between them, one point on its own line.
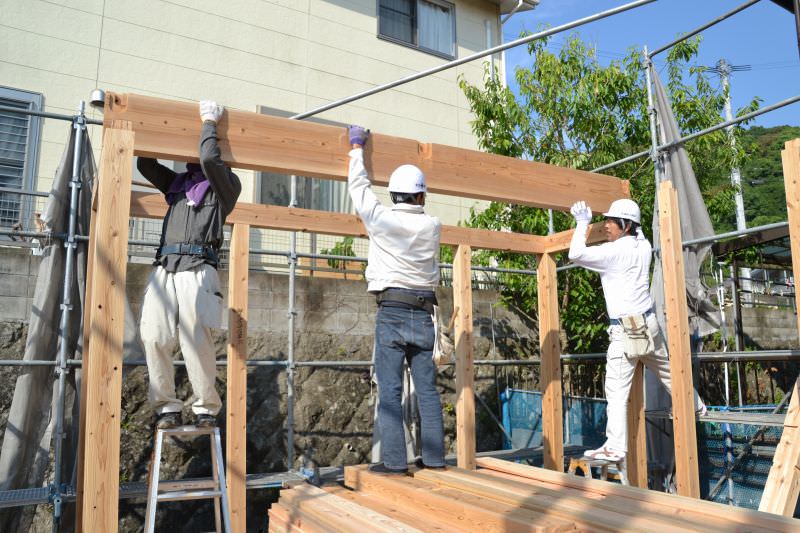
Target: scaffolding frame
516 43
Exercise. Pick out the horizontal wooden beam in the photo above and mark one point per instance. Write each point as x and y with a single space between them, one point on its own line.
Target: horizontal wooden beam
149 205
170 129
559 242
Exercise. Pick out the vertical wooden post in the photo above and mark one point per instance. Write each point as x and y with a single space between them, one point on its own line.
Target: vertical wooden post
465 399
236 437
100 498
783 483
683 415
550 370
87 311
637 434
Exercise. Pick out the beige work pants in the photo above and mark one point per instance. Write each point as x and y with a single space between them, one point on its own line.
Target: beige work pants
182 307
619 376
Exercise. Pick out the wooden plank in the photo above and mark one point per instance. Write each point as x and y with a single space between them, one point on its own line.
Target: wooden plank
637 434
465 372
149 205
783 483
677 316
424 522
462 510
84 370
107 324
550 370
283 518
169 129
559 242
588 513
742 519
236 408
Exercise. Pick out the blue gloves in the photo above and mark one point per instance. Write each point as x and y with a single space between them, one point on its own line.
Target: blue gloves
581 212
358 135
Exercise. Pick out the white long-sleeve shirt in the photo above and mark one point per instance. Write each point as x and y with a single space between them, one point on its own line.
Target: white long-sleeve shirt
403 240
624 268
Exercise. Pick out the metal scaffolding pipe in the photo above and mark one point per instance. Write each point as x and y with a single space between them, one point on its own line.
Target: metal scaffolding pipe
472 57
703 27
45 114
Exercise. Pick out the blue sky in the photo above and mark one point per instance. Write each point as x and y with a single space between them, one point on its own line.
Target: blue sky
762 36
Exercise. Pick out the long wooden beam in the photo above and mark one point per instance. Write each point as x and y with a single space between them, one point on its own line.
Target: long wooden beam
550 370
559 242
783 483
100 496
170 129
236 401
465 371
680 356
149 205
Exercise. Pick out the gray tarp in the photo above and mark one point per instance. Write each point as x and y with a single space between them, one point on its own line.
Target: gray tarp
25 459
704 317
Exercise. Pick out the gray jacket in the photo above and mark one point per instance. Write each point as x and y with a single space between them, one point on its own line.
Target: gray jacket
201 224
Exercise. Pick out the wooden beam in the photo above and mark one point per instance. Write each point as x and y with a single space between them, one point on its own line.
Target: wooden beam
677 316
170 129
148 205
714 515
559 242
465 375
550 370
783 483
236 400
636 461
107 324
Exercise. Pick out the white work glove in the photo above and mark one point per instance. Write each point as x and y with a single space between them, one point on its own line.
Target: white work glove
581 212
210 111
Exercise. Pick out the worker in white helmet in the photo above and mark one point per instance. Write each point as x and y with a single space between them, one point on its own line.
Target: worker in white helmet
634 334
403 272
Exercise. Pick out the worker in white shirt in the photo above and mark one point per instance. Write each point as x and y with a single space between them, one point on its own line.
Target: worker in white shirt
634 334
403 272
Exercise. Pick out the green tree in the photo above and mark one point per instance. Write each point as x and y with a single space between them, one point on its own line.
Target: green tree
573 111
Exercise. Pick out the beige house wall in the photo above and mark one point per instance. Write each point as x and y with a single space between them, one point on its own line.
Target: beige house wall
287 54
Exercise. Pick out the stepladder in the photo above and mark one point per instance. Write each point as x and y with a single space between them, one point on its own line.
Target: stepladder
189 489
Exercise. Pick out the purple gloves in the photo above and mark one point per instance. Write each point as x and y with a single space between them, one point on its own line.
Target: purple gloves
358 135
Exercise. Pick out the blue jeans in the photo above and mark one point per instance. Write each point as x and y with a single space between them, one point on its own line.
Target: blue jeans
407 334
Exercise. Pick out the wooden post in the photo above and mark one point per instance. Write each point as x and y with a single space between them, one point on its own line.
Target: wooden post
550 370
680 355
236 437
783 483
465 399
100 498
637 434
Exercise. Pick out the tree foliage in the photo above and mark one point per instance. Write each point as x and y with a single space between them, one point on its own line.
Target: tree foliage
573 111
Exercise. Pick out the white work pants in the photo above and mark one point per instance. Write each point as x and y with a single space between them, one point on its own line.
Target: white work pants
182 307
619 376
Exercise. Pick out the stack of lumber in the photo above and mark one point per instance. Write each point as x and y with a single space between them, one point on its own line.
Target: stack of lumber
501 496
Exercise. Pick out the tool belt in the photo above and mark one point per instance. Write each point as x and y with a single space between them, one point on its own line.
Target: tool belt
637 339
206 251
402 296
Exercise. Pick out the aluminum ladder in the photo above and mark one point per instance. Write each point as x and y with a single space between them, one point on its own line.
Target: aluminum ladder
189 489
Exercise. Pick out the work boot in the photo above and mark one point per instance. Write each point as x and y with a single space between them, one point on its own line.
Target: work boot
380 468
168 420
605 454
205 421
422 466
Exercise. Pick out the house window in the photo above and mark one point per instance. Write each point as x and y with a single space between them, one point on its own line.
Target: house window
19 145
428 25
312 193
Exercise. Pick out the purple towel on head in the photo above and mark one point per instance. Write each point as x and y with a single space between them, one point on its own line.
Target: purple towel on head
193 183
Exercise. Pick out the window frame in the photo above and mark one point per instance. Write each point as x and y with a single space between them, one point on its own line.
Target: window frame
34 102
415 30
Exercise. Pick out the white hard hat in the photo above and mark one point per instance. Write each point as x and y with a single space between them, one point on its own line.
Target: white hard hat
627 209
407 179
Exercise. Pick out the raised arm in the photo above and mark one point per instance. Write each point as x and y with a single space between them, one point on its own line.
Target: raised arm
366 204
223 181
155 173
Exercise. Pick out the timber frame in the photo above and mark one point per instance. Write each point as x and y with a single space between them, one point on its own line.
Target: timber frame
138 125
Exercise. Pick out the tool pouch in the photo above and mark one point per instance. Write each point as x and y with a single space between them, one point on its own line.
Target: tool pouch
444 349
638 341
